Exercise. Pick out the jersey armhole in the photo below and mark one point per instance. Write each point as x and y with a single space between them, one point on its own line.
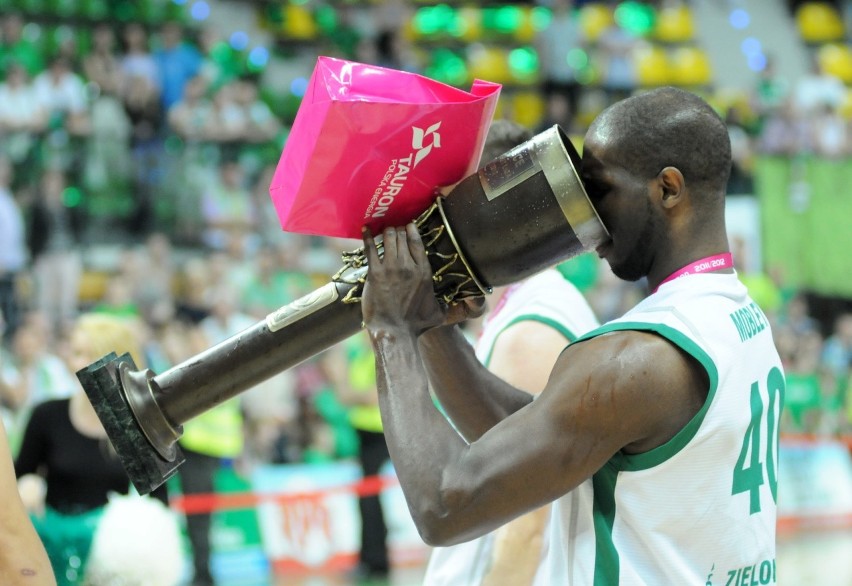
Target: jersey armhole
658 455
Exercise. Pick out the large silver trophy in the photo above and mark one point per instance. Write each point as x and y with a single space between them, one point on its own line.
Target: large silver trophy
521 213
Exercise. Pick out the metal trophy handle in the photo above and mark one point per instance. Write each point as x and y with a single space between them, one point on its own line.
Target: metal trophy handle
521 213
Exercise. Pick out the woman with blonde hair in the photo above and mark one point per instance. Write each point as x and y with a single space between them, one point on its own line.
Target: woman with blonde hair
68 471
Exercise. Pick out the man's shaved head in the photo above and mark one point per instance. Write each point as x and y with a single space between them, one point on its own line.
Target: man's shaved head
668 127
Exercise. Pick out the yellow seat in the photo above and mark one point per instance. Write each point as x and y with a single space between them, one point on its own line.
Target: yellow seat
299 23
690 66
819 22
488 63
595 19
836 59
652 66
470 23
528 108
675 25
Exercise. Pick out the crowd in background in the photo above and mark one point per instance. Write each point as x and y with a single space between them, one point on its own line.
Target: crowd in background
155 114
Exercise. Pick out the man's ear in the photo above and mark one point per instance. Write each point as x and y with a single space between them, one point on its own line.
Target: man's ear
673 186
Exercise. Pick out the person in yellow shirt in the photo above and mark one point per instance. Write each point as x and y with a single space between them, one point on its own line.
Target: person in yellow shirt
350 367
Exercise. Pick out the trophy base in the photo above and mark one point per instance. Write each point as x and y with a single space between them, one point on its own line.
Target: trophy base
144 465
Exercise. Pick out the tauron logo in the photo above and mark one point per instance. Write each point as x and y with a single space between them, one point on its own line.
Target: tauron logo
422 143
419 136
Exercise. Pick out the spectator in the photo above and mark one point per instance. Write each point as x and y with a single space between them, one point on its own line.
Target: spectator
54 238
742 153
177 62
66 467
23 119
830 133
63 95
784 132
261 124
13 249
212 437
14 48
817 89
837 355
771 91
102 65
351 370
38 374
228 210
140 94
619 77
556 44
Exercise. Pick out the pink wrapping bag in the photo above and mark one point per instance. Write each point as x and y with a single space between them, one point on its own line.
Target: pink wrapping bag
370 145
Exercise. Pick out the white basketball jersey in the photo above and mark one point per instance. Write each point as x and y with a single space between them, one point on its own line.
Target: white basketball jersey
547 298
699 509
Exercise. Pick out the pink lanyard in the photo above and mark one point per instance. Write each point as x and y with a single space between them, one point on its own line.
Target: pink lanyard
708 263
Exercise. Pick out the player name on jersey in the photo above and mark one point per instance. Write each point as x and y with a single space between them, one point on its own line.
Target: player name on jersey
749 320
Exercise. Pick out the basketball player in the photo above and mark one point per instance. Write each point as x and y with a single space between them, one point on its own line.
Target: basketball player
656 435
527 326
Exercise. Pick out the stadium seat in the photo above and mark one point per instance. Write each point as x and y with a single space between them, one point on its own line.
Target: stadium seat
528 108
470 23
675 25
690 66
488 63
819 22
595 18
298 23
652 66
836 59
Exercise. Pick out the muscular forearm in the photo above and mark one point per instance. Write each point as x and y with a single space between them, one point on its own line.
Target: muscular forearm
473 398
420 440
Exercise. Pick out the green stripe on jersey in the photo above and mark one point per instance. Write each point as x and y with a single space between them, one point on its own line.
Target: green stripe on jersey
662 453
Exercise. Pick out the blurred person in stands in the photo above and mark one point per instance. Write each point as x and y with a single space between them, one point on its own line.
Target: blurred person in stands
771 91
525 328
617 46
102 65
66 466
228 210
23 559
742 153
15 48
261 124
555 44
140 94
817 89
785 132
831 135
54 235
13 250
214 437
177 61
34 373
23 119
837 354
62 93
350 367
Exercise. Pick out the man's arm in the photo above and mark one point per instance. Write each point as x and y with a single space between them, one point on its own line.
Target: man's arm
625 390
23 560
472 398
